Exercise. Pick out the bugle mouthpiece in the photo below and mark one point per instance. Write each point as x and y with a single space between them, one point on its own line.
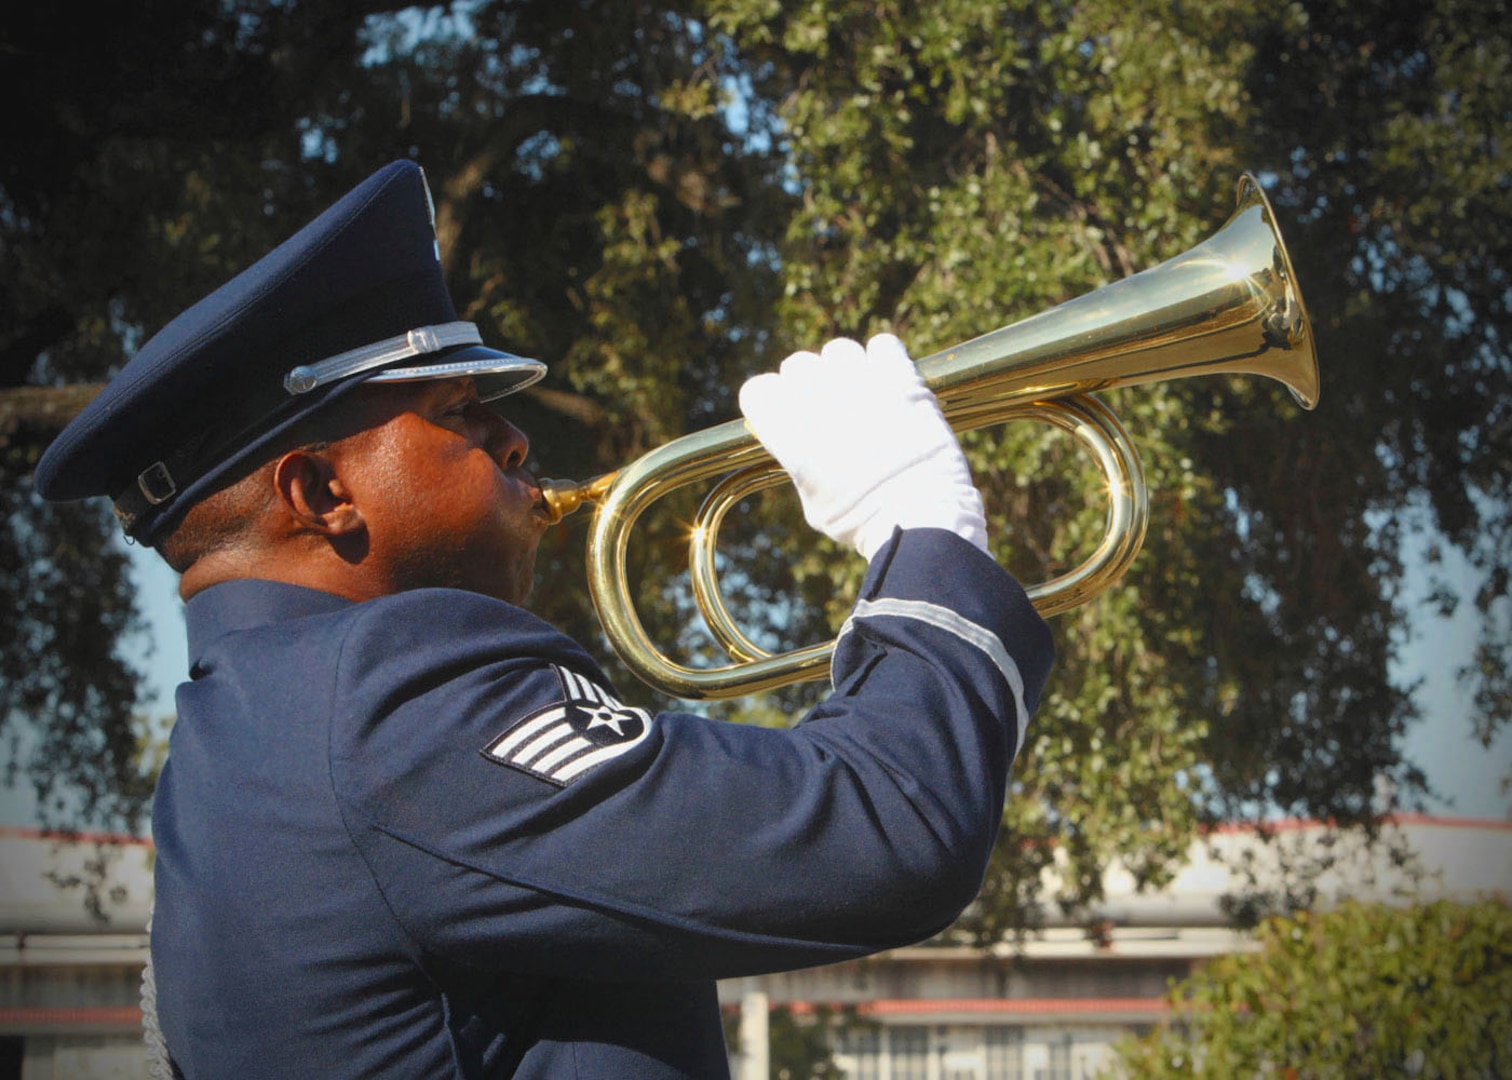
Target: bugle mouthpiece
562 497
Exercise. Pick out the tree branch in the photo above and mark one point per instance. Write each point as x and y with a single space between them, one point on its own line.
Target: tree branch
42 411
584 410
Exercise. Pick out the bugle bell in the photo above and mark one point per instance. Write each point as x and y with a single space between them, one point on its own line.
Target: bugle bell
1230 305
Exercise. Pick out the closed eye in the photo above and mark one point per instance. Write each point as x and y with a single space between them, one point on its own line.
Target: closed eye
463 397
459 408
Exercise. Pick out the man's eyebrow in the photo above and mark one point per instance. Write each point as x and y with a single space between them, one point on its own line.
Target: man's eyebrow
452 391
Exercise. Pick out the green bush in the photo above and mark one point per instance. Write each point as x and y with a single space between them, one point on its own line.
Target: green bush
1364 991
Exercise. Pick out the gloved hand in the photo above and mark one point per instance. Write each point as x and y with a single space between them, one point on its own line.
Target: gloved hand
866 444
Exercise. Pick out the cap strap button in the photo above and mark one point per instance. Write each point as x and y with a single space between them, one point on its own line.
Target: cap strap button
156 483
301 380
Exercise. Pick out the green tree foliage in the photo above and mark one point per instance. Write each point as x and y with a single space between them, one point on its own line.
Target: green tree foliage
800 1044
1388 125
661 196
130 177
964 164
593 209
1366 991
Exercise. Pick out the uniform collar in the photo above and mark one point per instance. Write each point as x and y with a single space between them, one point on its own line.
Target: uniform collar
247 604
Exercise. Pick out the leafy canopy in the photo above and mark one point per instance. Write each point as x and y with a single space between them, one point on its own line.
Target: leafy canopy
663 197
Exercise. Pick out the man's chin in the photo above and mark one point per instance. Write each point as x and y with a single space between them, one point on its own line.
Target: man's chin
519 586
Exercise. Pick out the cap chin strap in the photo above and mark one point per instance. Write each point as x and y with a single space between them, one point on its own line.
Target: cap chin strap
417 342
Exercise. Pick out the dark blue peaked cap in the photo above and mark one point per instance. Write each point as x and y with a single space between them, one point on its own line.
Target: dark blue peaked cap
355 296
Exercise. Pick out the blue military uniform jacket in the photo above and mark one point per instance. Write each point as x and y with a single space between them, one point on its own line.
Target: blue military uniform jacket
421 837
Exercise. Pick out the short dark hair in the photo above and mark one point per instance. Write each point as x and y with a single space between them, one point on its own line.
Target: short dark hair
221 519
218 521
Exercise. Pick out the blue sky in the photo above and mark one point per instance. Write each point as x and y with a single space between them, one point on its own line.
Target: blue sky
1443 744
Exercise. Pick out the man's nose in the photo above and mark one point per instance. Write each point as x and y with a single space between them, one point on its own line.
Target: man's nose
507 443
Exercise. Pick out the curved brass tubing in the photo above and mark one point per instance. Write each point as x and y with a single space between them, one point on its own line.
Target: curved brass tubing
1230 305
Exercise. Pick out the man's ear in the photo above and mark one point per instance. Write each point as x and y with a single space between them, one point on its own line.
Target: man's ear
314 495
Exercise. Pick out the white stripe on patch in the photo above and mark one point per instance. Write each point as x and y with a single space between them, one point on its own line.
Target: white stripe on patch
943 618
588 761
516 736
568 749
572 683
543 742
580 689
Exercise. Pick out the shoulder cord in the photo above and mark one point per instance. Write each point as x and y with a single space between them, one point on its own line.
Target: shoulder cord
160 1064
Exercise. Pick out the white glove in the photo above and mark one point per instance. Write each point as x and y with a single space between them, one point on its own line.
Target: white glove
865 443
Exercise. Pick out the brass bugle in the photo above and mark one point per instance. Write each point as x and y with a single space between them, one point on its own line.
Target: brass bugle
1231 305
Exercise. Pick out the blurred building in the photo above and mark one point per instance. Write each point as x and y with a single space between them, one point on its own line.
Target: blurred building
73 916
72 943
1052 1007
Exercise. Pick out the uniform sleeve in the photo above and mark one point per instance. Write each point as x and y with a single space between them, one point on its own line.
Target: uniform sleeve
518 817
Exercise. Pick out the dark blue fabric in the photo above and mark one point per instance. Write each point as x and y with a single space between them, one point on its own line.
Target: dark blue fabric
347 885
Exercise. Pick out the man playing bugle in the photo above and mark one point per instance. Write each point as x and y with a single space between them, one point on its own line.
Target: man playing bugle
408 829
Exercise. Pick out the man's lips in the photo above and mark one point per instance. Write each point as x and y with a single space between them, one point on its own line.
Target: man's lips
538 505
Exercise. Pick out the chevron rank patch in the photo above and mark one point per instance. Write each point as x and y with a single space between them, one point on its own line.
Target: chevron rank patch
562 742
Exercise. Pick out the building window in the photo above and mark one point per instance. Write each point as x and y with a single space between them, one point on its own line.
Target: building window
864 1048
1060 1060
909 1050
1005 1053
